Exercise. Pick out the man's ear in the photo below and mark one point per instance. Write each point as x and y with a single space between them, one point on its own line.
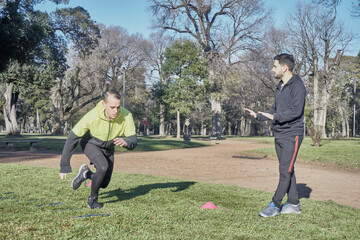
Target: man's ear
103 103
284 68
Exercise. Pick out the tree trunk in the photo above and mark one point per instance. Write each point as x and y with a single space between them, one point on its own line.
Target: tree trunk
203 129
9 109
38 125
216 130
183 129
59 106
344 121
167 131
65 131
178 123
138 127
318 128
343 129
266 129
245 127
162 121
216 118
229 129
56 128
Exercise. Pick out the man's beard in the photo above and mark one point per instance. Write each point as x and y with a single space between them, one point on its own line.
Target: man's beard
278 76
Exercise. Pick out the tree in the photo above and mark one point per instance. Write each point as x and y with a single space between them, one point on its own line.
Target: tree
156 58
34 50
251 84
118 57
339 109
355 11
185 71
350 66
322 42
74 91
222 28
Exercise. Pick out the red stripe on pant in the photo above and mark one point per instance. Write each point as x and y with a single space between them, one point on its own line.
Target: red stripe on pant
295 151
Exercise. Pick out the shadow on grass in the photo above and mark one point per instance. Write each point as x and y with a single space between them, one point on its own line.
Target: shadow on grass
249 157
123 195
303 190
165 144
21 156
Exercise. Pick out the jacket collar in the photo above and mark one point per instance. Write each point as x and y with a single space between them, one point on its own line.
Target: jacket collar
291 80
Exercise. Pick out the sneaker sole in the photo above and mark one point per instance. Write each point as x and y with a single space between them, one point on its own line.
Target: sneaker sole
95 208
77 176
265 216
290 212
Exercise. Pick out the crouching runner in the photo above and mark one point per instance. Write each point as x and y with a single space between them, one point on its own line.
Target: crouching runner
98 132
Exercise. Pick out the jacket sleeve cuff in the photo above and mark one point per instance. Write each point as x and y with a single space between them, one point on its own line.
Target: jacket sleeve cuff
65 169
275 117
131 142
261 117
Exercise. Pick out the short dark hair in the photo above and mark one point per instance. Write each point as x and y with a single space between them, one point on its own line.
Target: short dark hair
112 92
286 59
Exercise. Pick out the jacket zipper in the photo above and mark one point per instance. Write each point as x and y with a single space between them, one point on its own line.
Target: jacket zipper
107 139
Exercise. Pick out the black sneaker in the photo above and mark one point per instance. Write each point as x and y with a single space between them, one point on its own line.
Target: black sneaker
81 177
93 203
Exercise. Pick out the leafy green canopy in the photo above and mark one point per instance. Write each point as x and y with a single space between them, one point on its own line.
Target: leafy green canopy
33 45
35 38
185 71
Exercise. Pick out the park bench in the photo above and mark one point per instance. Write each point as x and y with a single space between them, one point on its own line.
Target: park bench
32 143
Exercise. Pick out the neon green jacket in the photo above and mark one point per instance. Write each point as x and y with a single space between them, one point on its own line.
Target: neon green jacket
96 129
103 129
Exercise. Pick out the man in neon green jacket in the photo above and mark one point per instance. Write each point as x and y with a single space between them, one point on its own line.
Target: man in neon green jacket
98 132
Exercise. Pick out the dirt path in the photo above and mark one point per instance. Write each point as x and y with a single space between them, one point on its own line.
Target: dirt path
224 163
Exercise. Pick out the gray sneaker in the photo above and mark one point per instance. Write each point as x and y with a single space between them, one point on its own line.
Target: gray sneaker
290 208
81 177
270 211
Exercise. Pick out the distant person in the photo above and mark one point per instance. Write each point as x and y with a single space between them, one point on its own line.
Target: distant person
98 132
287 115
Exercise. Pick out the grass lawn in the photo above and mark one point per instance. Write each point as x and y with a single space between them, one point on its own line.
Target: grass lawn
36 204
344 153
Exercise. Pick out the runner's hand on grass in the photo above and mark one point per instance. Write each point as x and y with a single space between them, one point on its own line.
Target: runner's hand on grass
120 142
62 176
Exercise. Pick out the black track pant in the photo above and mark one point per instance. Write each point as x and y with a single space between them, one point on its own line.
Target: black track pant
287 150
104 164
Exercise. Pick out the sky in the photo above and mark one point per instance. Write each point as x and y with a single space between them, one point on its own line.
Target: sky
134 16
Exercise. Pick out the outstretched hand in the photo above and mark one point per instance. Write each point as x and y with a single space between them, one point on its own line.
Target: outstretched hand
251 112
120 142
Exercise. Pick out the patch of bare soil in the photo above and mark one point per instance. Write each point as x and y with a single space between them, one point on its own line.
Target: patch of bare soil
223 163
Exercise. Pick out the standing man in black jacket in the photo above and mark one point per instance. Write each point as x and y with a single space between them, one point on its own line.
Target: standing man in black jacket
287 114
